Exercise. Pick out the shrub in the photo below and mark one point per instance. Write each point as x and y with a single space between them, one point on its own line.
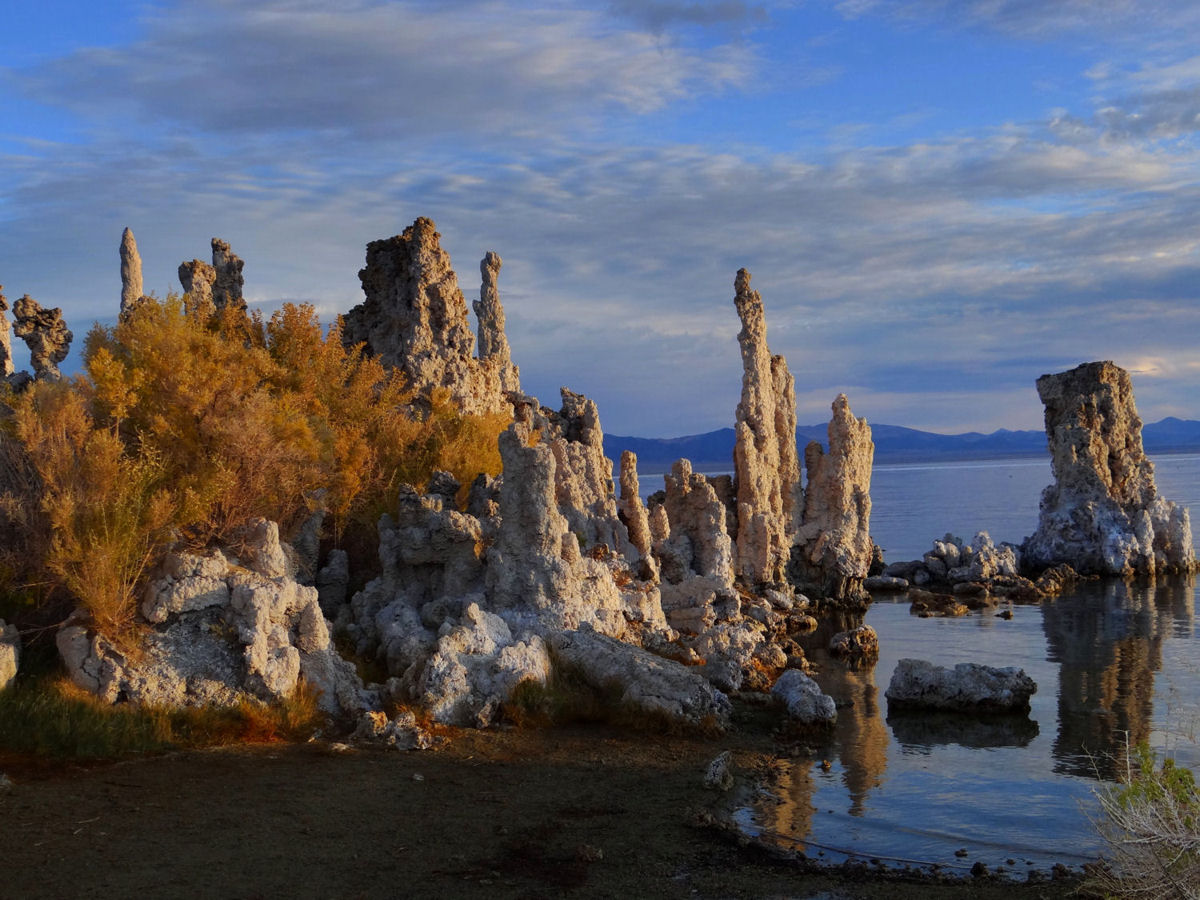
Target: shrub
184 427
1152 826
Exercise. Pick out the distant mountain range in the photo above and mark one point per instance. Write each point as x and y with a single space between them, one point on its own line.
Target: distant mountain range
893 444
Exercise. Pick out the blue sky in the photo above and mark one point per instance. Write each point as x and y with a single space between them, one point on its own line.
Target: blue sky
939 200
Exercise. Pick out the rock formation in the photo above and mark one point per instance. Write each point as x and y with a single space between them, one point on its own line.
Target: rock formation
806 704
131 273
1103 514
968 687
10 653
223 629
632 511
414 318
833 549
228 281
46 335
489 315
6 357
766 468
198 278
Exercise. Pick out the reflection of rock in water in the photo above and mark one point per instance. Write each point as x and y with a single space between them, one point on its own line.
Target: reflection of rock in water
927 730
1108 640
786 799
861 736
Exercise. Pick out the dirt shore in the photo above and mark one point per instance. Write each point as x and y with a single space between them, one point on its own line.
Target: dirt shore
581 811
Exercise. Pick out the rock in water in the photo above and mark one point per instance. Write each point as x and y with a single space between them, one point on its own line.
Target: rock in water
833 548
803 698
46 335
968 687
766 466
131 272
1103 514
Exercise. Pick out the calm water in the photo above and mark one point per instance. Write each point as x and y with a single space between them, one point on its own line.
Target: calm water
1109 659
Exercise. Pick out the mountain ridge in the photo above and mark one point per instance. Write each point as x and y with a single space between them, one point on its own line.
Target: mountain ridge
893 444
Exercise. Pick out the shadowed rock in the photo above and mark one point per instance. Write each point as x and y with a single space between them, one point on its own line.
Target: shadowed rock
228 282
1103 514
968 687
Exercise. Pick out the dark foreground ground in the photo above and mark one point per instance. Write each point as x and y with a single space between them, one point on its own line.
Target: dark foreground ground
581 811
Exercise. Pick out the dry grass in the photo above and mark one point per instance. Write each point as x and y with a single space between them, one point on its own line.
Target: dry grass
1151 824
53 718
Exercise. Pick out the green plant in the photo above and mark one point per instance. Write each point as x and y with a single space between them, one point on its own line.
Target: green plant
1151 823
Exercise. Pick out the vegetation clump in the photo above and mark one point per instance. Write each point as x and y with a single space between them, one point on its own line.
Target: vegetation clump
185 425
1152 827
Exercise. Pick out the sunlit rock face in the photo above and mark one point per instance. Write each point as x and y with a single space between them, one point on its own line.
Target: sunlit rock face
833 550
220 630
766 467
6 357
414 318
131 272
1103 514
46 335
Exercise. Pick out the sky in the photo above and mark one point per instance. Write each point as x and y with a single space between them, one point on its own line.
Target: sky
939 200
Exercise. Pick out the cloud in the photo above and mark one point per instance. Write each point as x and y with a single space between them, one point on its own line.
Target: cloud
933 281
658 15
375 70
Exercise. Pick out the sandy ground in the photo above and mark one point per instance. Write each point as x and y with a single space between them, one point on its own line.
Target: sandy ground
579 811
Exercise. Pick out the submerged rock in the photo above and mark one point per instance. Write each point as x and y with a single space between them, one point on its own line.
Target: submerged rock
1103 514
968 687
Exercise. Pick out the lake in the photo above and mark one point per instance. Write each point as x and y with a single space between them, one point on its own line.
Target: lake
1016 792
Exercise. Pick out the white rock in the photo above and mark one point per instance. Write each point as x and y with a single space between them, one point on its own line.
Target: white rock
968 687
805 702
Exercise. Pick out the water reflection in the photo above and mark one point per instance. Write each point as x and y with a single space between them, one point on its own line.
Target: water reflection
1109 658
922 731
1108 640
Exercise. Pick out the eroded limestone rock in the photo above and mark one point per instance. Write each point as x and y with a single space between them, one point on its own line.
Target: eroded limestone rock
806 704
968 687
649 683
833 548
1103 514
198 278
131 272
10 653
46 335
222 631
6 358
632 511
414 318
228 281
766 467
489 315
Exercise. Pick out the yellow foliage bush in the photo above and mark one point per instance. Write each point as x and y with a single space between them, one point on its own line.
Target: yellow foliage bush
184 427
